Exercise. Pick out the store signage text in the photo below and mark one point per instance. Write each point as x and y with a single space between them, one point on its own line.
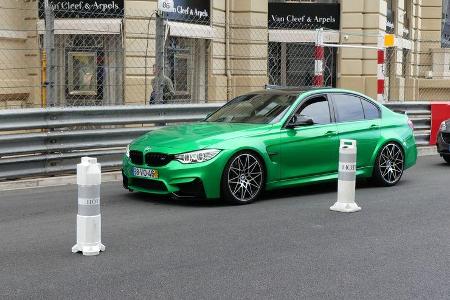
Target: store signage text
84 8
303 16
191 11
304 19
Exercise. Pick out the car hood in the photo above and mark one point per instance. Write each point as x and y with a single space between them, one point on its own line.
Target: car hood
194 136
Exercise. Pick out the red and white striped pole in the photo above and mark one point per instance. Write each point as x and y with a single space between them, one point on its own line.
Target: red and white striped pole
319 55
380 68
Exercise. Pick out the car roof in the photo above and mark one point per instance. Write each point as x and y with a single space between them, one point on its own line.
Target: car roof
282 90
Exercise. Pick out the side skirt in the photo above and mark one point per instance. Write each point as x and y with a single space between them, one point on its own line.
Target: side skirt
360 173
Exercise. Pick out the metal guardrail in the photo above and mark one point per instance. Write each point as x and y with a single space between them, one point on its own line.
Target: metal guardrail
420 115
37 142
53 118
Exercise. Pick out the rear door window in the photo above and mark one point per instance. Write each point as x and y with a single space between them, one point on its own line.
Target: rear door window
348 108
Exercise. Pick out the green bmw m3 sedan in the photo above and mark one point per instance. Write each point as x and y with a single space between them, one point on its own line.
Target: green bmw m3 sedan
268 140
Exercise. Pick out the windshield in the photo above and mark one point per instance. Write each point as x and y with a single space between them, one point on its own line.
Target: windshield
254 109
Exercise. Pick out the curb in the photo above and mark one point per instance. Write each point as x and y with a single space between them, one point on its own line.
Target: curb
112 176
427 151
53 181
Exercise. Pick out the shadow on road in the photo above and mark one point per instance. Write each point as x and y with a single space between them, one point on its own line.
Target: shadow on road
168 200
301 191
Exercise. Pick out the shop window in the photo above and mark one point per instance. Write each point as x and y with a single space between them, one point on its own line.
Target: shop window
82 73
390 18
186 67
292 64
405 62
445 32
407 19
181 74
274 64
88 69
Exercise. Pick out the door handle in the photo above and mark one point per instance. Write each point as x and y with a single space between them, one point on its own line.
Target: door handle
330 133
374 126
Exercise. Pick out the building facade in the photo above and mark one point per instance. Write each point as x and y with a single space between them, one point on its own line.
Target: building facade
215 50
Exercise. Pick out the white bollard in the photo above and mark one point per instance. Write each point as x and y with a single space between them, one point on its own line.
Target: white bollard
346 178
89 178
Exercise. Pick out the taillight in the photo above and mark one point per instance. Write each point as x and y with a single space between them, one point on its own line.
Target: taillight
410 124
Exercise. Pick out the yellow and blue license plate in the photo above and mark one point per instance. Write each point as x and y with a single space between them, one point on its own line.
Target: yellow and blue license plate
146 173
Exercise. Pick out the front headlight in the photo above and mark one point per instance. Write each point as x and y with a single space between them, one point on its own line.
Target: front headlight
127 152
443 126
197 156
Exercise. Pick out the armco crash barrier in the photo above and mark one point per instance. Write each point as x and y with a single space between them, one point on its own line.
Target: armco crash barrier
51 141
42 142
346 178
89 177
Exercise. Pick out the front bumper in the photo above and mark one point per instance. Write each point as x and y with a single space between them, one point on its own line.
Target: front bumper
443 143
177 179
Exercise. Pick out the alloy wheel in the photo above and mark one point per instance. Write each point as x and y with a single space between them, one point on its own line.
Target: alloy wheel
245 177
391 163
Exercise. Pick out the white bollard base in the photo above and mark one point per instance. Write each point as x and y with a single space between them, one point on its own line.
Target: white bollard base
345 207
89 235
88 250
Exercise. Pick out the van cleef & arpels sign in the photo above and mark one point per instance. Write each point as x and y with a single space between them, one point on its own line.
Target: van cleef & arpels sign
64 9
292 15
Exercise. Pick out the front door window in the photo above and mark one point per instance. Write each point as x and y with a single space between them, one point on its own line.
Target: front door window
318 110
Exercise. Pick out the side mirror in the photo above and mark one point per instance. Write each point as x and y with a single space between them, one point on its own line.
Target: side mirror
297 121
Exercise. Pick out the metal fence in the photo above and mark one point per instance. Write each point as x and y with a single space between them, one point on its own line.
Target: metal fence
137 56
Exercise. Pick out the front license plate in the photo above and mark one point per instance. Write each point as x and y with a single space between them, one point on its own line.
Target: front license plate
147 173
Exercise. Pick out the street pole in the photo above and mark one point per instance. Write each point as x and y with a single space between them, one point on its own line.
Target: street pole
159 59
49 45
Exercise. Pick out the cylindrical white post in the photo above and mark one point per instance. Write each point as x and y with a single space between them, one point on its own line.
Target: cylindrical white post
346 178
89 178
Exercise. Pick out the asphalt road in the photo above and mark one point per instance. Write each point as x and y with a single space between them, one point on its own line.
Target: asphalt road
288 245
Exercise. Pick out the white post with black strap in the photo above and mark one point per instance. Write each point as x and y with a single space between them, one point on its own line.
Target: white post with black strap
346 178
89 178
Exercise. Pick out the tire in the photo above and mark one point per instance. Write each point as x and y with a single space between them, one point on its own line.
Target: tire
446 158
389 165
243 178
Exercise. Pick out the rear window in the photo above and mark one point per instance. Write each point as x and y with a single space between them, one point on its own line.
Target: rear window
371 111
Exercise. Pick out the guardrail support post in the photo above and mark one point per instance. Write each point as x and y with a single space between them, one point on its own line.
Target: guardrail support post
89 178
346 178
